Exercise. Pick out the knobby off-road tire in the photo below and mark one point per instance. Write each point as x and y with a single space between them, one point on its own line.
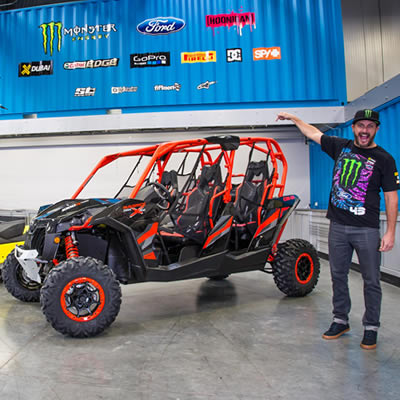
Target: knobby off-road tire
17 282
296 267
81 297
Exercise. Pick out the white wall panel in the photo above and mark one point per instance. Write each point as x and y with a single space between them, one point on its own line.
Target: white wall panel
42 173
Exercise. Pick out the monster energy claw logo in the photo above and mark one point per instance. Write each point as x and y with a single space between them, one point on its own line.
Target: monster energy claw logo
368 113
348 168
49 31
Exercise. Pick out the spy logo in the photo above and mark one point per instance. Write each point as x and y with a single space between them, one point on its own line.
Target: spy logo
234 55
351 169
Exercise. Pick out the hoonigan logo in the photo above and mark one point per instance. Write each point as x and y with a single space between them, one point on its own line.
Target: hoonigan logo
239 20
52 33
352 175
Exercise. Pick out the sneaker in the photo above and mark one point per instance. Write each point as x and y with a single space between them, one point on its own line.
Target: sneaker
369 340
336 330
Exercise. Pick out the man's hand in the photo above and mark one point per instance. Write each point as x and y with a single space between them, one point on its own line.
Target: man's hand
387 242
284 115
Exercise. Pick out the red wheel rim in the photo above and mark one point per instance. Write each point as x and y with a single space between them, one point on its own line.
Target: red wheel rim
82 299
304 268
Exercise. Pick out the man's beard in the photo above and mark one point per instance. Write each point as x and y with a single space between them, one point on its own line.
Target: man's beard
370 141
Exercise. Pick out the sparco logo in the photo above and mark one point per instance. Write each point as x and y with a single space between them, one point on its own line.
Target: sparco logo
140 60
102 63
176 87
85 92
350 172
51 34
161 26
35 68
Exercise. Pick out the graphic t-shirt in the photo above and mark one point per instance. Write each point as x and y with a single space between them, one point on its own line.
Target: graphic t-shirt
358 176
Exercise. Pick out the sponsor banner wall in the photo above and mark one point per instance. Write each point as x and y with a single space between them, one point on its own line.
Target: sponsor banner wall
84 58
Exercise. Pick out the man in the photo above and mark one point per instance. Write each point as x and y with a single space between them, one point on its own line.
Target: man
361 169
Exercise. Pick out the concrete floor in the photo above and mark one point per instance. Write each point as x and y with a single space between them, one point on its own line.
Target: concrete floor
238 339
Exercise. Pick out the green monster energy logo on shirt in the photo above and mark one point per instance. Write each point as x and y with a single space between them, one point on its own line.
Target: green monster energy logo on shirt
349 166
48 33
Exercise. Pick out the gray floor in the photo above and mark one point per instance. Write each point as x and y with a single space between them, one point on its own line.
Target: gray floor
238 339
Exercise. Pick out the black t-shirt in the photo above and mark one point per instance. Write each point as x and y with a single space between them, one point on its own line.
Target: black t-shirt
358 176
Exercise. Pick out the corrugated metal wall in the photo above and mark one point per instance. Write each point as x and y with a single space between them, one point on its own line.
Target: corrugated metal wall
371 32
307 70
321 165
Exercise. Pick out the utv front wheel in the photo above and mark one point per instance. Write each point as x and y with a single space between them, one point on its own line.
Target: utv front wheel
81 297
17 282
296 267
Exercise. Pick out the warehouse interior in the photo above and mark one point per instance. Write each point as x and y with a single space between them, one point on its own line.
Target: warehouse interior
238 337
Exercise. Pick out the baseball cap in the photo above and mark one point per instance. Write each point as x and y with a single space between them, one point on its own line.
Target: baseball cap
369 115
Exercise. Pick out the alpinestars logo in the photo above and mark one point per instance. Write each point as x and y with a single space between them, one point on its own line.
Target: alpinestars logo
51 34
206 85
350 172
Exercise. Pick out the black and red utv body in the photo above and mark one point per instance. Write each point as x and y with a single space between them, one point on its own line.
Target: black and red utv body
188 209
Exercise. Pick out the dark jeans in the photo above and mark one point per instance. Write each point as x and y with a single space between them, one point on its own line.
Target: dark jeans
343 240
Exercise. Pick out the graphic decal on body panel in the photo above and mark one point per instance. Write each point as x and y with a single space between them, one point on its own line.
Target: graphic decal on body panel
351 177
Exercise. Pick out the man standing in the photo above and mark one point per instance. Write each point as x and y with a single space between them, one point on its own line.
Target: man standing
361 169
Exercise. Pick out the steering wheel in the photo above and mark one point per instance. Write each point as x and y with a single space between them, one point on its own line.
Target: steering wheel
163 193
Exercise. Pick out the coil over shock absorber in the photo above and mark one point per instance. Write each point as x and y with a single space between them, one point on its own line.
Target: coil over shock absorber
70 246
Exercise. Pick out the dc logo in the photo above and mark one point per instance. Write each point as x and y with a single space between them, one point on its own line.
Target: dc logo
234 55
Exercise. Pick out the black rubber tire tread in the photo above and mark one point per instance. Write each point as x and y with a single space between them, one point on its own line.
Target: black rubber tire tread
60 276
283 267
218 277
13 284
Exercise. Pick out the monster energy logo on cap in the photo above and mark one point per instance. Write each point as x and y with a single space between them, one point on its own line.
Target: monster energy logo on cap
370 115
349 166
51 31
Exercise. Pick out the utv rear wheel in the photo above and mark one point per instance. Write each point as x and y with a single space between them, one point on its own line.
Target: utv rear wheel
296 267
17 282
81 297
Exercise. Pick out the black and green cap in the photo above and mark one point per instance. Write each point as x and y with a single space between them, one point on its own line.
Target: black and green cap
369 115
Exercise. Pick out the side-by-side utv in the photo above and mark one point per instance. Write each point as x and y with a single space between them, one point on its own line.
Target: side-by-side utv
188 209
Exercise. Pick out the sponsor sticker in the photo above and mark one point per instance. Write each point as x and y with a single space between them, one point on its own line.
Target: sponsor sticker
141 60
160 26
239 20
53 33
123 89
266 53
234 55
175 86
101 63
199 57
206 85
35 68
85 92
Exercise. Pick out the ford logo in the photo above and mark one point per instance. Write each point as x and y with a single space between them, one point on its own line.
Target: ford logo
160 26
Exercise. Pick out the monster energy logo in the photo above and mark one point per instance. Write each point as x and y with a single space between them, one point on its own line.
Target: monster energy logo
349 166
368 113
48 32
